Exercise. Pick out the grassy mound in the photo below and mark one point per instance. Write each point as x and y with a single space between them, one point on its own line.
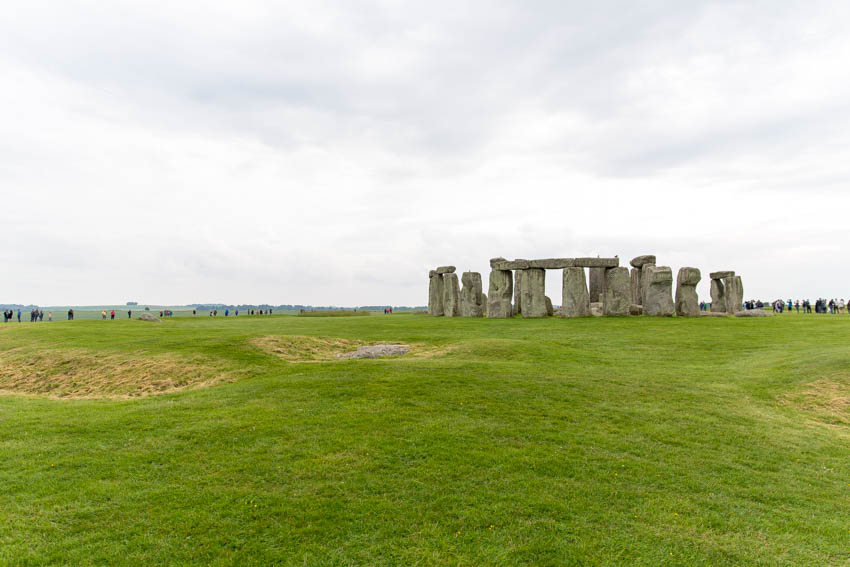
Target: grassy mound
598 441
83 373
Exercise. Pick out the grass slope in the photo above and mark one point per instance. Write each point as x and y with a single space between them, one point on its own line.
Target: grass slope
629 441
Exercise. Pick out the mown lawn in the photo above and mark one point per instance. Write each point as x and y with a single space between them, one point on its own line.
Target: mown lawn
630 441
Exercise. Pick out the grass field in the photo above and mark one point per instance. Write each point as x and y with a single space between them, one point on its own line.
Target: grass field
631 441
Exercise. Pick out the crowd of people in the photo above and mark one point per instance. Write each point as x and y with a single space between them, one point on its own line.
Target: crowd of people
821 305
35 315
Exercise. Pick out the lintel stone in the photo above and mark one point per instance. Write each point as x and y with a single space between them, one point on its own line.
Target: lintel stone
721 275
596 262
641 261
446 270
551 263
510 265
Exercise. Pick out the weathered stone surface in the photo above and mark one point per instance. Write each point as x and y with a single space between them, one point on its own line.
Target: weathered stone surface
550 310
658 291
597 284
446 270
634 285
533 296
713 314
501 292
596 309
435 294
149 317
641 261
517 308
721 275
754 313
618 293
635 309
451 295
575 300
375 351
471 298
551 263
510 265
718 296
495 261
484 299
734 294
596 262
687 300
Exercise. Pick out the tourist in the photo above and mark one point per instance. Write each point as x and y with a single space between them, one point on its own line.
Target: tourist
841 305
49 316
129 314
70 314
40 315
194 312
112 314
19 314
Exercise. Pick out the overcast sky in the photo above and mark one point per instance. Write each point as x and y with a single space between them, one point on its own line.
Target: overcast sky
333 152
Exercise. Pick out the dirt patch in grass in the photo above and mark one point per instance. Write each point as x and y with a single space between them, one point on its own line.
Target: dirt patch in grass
81 373
827 399
295 348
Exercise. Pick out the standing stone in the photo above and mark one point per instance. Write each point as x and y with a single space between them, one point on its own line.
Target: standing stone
533 297
718 296
618 293
451 295
471 297
734 294
597 284
575 301
687 300
500 294
658 291
435 294
634 284
550 309
517 308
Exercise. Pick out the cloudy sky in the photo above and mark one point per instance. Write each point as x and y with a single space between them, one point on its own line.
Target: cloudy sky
332 152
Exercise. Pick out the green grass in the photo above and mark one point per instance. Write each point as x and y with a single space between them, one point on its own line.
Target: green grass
334 313
630 441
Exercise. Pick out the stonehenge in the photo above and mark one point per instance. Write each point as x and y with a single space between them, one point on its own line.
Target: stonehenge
576 301
435 293
500 292
687 301
727 292
590 286
533 294
617 298
657 290
451 295
734 294
472 303
597 284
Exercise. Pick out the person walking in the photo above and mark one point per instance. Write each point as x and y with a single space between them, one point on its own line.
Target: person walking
19 315
103 314
129 314
49 316
112 315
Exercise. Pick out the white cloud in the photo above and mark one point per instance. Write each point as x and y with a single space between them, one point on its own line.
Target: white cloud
331 154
